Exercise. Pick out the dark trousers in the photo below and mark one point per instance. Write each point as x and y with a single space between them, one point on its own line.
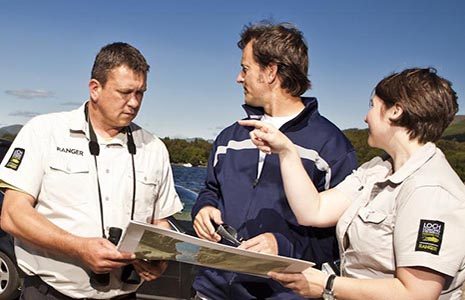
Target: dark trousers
35 288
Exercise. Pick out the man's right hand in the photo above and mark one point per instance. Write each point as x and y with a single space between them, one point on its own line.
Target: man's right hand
203 225
101 256
20 219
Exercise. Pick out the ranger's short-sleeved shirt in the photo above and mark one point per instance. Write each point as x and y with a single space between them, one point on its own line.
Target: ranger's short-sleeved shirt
50 160
411 218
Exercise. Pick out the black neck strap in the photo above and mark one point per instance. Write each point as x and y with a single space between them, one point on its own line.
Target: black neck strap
94 149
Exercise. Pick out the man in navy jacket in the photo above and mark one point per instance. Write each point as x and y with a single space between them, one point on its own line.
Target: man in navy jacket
244 188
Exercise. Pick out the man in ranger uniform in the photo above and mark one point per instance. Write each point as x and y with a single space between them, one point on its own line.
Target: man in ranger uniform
71 176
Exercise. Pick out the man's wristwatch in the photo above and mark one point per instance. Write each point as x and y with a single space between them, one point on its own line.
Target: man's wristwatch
328 293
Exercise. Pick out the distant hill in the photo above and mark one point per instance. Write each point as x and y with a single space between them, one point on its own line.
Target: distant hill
10 132
452 144
458 119
194 139
358 138
456 131
196 150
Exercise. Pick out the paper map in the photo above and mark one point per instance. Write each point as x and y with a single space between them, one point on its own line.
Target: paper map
152 243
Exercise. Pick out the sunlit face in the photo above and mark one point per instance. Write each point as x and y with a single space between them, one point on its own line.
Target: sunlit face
119 100
379 125
252 78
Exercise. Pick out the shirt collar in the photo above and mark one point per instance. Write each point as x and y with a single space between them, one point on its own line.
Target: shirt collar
119 139
416 161
78 122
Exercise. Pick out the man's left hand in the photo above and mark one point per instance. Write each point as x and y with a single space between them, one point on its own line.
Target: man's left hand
150 270
263 243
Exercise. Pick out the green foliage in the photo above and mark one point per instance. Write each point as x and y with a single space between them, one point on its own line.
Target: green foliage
455 154
196 151
456 131
358 138
182 151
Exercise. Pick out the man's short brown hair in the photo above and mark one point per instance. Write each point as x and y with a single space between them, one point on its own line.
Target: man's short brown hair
281 44
428 101
115 55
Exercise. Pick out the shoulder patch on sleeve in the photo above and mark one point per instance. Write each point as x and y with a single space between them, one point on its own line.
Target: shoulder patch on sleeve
430 236
15 159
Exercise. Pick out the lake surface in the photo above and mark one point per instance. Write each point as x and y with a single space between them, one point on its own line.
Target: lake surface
192 178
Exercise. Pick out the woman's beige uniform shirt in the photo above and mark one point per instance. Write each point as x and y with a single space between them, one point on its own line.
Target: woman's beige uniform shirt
414 217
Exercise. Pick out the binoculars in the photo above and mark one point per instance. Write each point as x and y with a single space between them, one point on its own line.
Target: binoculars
128 274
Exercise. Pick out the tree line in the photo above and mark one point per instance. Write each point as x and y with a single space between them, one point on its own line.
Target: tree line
452 146
196 151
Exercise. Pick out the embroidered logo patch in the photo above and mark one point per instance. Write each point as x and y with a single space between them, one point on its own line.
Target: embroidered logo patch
15 159
430 236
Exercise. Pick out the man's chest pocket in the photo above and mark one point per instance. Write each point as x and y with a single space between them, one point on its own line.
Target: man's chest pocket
67 181
146 194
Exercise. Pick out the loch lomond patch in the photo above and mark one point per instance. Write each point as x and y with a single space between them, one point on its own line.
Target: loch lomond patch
430 236
15 159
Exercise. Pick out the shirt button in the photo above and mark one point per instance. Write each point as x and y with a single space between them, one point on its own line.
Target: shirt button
107 171
107 198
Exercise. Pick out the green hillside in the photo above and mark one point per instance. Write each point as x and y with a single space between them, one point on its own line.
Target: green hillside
456 131
453 149
9 132
196 151
358 138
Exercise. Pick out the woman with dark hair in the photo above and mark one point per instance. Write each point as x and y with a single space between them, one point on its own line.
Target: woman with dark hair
399 220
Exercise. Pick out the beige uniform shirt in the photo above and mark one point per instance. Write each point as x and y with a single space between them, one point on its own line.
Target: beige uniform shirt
50 160
414 217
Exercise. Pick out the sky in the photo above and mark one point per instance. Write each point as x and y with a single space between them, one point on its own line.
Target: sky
47 49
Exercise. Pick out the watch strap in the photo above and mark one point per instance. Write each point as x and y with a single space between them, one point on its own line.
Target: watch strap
330 282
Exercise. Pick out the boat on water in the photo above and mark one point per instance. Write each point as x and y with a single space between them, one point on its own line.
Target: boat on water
187 165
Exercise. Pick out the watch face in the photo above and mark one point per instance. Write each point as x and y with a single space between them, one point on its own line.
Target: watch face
327 295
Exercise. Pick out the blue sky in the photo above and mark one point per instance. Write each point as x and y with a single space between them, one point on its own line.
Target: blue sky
48 47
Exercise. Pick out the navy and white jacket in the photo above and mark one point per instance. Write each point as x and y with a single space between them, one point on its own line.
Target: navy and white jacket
258 205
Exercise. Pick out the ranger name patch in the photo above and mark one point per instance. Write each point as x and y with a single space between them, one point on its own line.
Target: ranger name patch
15 159
70 150
430 236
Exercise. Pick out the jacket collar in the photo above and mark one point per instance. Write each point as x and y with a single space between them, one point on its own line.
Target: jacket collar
311 106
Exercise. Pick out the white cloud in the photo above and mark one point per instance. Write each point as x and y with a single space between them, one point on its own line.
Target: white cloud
25 114
30 94
74 104
219 127
178 136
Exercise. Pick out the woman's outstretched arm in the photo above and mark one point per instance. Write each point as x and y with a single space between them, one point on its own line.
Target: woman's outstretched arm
310 207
